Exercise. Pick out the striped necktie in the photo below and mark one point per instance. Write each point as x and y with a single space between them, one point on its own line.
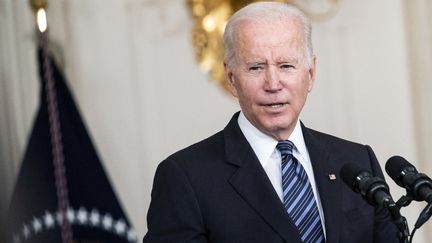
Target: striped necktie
299 200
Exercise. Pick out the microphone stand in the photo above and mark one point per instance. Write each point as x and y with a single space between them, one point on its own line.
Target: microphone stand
399 220
424 216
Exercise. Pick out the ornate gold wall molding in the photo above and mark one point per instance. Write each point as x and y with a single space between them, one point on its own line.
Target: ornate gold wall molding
210 18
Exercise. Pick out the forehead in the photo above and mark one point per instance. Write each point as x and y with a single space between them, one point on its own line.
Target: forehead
287 23
285 34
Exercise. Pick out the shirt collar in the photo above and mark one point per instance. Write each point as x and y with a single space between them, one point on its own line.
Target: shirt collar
264 145
298 140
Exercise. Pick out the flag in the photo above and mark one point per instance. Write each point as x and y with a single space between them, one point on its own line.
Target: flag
93 213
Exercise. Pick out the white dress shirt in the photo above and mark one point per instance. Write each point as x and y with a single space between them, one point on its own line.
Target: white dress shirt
264 147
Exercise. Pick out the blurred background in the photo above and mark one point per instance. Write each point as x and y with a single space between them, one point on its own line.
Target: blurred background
132 68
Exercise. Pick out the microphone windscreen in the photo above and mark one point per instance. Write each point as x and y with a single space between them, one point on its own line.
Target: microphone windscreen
395 165
349 172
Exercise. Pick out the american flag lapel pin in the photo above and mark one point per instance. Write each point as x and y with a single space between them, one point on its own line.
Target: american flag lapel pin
332 177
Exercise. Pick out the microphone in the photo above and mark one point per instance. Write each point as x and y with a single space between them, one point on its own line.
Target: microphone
376 192
418 185
373 189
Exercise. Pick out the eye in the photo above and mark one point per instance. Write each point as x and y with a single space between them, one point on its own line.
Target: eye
255 68
286 66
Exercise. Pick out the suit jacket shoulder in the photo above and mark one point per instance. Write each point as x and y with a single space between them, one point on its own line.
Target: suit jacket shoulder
342 150
195 154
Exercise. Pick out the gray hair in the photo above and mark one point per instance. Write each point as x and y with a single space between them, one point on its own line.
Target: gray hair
260 11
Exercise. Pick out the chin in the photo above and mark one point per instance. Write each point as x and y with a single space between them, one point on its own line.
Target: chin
280 123
281 126
276 128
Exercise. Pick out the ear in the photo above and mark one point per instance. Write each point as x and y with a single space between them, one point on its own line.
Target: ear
312 73
232 85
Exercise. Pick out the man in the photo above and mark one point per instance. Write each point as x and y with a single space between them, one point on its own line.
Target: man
266 178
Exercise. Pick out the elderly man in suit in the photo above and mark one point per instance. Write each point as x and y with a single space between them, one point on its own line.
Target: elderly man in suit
266 178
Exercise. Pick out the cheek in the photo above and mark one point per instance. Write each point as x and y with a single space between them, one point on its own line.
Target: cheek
247 99
305 84
300 92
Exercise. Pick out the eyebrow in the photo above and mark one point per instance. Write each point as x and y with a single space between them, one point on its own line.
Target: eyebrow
279 61
256 62
288 60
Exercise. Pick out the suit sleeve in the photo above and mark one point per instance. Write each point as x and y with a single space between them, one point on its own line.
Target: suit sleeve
174 214
385 230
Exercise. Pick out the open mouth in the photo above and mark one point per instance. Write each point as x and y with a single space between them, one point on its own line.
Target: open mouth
275 105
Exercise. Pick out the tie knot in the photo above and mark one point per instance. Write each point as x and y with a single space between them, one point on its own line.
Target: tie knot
285 147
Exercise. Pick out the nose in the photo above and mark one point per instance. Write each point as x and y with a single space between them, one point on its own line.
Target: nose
272 81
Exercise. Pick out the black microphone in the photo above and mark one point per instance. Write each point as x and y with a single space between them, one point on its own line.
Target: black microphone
373 189
418 185
376 192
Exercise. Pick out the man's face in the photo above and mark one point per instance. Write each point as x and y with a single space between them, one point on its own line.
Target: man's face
270 76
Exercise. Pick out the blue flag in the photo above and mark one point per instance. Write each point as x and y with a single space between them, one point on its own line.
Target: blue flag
93 213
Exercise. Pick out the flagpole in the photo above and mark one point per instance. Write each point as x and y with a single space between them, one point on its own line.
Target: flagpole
39 7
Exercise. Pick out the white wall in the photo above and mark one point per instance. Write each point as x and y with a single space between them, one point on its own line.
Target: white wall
18 89
419 22
147 97
131 67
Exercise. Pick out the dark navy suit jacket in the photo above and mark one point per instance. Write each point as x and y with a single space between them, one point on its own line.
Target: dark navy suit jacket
216 191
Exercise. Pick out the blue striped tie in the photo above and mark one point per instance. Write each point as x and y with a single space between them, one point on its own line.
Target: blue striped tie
299 200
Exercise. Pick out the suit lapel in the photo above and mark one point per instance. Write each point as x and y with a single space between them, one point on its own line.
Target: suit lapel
324 166
253 185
